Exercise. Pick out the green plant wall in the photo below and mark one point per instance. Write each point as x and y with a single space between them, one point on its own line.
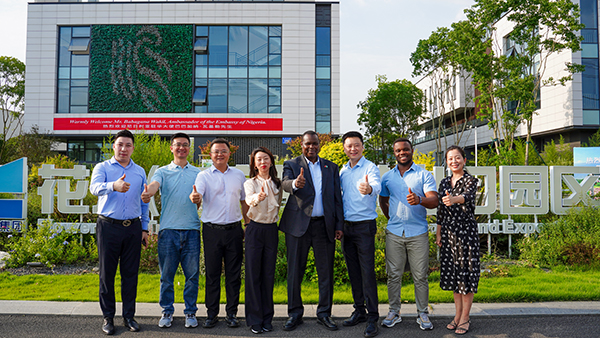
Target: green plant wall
141 69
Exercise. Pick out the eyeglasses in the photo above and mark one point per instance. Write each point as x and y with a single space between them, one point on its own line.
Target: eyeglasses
222 152
181 145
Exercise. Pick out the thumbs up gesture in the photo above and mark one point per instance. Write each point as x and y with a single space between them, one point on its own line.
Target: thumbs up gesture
261 194
412 198
146 196
195 197
300 180
364 187
447 200
120 185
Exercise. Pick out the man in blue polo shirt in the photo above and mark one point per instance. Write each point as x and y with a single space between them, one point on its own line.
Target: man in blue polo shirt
406 192
121 229
179 235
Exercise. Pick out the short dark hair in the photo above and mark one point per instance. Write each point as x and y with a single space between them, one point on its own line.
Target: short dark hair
352 134
125 133
180 135
310 132
402 139
221 141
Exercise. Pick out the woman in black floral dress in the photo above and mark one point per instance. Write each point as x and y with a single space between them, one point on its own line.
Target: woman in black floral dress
458 238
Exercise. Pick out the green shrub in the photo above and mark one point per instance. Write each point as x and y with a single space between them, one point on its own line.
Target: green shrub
571 239
50 247
149 255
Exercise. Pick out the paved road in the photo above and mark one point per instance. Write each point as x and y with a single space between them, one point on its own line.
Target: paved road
576 326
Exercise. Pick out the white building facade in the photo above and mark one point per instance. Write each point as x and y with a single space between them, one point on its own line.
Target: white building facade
254 72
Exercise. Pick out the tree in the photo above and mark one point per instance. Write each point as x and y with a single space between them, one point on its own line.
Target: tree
512 74
12 90
391 110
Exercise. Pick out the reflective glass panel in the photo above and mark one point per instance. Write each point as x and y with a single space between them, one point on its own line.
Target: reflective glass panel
323 73
323 127
274 96
199 95
201 82
275 60
79 72
274 30
200 109
323 61
591 117
323 94
217 72
217 96
589 13
201 59
258 46
323 40
79 109
238 72
274 82
79 96
201 72
63 46
275 110
257 100
217 45
589 85
201 44
81 60
275 72
201 30
64 72
258 72
589 50
79 83
63 96
81 32
274 45
238 96
238 45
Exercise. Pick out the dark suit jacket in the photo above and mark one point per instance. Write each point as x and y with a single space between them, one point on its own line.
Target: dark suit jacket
298 210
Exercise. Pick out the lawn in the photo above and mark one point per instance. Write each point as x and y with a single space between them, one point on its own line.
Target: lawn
507 283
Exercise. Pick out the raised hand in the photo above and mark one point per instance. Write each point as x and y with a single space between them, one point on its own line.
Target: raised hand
120 185
261 194
412 198
145 194
364 187
195 197
300 180
447 200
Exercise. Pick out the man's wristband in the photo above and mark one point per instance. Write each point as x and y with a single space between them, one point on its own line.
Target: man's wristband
419 199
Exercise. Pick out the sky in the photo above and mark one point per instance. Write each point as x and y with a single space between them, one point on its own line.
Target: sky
377 37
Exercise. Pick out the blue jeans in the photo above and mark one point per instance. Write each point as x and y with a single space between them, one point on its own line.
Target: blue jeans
175 247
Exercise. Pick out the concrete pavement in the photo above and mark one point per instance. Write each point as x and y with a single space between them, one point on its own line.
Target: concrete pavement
339 310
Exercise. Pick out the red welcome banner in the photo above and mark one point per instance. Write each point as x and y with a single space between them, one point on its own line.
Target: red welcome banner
140 123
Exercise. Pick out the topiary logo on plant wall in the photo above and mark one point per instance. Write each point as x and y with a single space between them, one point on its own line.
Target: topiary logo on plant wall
141 69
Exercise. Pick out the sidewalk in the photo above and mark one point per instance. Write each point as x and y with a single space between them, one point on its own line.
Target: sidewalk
339 311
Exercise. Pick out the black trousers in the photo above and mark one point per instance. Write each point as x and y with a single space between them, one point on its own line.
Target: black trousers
358 244
261 256
223 246
297 254
118 246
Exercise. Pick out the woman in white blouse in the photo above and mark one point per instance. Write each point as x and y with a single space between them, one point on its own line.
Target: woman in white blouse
263 196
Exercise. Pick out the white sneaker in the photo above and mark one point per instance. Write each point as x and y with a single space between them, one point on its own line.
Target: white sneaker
190 320
424 322
165 320
392 319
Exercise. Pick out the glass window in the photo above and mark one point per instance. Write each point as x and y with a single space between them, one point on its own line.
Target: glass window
274 45
201 82
238 72
238 96
275 60
63 96
274 82
217 46
591 117
64 55
323 61
589 35
64 72
201 72
589 85
81 60
201 30
81 32
79 109
80 45
217 72
217 96
275 72
323 73
323 40
201 59
76 149
257 44
238 45
201 45
79 96
275 110
274 96
274 30
79 83
589 13
589 50
258 72
323 127
200 109
199 95
257 99
79 72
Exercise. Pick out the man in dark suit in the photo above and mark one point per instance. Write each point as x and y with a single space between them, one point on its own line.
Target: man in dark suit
313 216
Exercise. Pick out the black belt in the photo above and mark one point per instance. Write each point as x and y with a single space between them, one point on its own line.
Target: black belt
223 226
358 223
123 222
318 218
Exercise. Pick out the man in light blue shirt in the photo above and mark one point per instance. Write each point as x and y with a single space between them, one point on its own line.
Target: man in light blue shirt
121 228
360 185
406 192
179 235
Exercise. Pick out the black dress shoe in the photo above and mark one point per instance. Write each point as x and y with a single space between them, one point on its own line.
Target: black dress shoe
131 324
371 330
108 327
328 323
232 321
355 318
210 322
292 323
